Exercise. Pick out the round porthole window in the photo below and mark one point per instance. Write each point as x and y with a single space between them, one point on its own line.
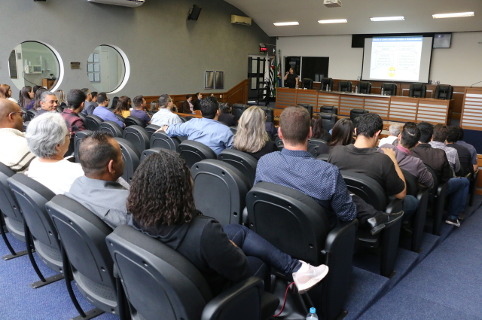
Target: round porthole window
108 68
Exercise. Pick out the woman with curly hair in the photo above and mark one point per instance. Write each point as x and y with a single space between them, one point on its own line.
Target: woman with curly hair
342 133
162 206
251 136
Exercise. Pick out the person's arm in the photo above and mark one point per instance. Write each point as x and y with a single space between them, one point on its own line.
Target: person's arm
178 129
424 176
391 154
342 203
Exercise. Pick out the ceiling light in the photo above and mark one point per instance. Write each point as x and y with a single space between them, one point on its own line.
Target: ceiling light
452 15
289 23
395 18
333 21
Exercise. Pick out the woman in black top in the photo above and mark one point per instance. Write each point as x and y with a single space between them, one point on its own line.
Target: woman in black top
291 78
162 206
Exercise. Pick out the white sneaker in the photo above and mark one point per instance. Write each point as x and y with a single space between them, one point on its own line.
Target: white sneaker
307 276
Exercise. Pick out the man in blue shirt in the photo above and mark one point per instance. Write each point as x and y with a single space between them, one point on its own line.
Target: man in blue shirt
104 113
206 130
296 168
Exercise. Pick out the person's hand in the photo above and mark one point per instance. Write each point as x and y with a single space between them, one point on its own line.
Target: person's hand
163 128
391 153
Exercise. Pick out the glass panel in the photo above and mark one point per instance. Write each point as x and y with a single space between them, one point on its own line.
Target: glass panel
106 69
33 63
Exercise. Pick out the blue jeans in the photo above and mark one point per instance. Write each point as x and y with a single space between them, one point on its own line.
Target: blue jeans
410 205
457 192
254 245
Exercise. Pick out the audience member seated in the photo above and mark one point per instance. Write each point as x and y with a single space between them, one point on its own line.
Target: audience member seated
225 115
48 103
162 206
123 107
318 131
458 188
75 101
89 105
207 130
316 178
407 140
342 133
25 96
465 158
14 151
188 106
394 131
165 117
363 157
101 189
251 136
36 102
48 138
7 92
102 112
197 97
438 141
139 110
471 148
113 104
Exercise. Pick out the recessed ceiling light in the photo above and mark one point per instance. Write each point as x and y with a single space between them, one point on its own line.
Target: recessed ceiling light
394 18
452 15
333 21
289 23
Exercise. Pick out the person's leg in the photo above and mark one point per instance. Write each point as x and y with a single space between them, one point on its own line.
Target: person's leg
457 192
410 205
254 245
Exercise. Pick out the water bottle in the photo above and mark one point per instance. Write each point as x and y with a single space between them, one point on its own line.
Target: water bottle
312 315
382 92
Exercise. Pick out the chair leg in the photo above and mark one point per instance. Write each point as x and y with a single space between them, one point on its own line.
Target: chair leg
68 282
12 254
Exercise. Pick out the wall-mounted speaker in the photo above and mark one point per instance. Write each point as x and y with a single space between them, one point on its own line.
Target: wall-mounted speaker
194 13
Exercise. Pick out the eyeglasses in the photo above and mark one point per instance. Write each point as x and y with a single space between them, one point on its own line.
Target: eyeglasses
22 113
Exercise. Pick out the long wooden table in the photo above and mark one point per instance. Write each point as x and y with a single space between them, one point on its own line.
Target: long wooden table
390 108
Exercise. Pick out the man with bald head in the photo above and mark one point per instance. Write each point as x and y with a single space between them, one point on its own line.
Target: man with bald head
14 151
102 189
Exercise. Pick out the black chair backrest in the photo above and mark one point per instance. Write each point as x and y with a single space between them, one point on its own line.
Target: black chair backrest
355 113
111 127
81 116
151 128
307 83
417 90
31 197
364 87
131 121
327 84
9 206
79 135
279 143
329 120
366 188
219 190
317 147
328 109
443 91
130 157
238 110
242 161
344 86
411 183
289 219
269 113
138 136
92 122
389 89
162 140
156 279
193 152
148 152
308 107
82 235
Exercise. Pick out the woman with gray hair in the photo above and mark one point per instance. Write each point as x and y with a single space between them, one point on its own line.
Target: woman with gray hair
48 138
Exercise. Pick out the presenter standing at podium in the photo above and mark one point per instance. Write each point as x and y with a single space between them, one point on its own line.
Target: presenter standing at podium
291 78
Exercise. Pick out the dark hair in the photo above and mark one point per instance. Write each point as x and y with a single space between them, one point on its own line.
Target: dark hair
440 133
101 97
225 107
24 97
35 88
410 135
86 91
123 104
295 124
426 131
209 107
137 101
113 103
161 191
318 131
95 151
164 100
93 94
368 124
453 134
75 97
38 96
342 133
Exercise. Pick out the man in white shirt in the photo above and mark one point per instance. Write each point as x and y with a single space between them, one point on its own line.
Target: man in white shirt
164 117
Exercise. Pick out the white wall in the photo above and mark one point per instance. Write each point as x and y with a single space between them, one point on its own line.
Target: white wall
460 65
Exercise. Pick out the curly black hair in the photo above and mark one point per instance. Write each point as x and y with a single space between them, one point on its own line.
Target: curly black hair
161 191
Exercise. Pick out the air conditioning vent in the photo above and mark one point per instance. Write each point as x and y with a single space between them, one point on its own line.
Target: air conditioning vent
245 21
332 3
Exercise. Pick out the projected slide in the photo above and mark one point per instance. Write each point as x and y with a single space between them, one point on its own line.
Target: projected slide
396 58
